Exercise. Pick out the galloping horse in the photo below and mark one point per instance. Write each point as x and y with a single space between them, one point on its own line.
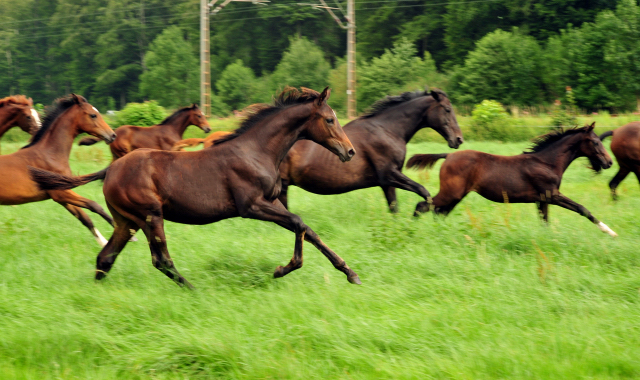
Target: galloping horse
162 136
18 111
238 176
530 177
380 137
625 145
207 141
50 149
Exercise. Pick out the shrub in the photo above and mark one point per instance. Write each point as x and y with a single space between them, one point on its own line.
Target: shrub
302 65
142 114
489 121
235 85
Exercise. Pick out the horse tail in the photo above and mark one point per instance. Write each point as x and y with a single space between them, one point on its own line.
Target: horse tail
421 161
47 180
187 143
605 135
89 140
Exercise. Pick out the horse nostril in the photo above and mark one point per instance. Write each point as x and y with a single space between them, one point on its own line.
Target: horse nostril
351 152
459 139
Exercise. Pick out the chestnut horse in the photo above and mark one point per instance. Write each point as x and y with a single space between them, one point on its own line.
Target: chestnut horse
625 145
207 141
49 150
162 136
530 177
18 111
381 138
238 176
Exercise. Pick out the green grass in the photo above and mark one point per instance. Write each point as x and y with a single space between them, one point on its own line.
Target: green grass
487 293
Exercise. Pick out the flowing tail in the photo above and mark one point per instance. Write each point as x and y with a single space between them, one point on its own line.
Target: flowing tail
605 135
89 141
187 143
47 180
421 161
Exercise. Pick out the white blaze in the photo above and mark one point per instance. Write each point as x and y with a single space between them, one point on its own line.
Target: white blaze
95 109
36 117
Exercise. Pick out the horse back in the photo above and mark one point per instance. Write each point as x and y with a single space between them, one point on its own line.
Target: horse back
625 143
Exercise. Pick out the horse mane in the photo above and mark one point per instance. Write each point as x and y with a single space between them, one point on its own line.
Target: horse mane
171 117
52 112
541 143
392 101
15 99
257 112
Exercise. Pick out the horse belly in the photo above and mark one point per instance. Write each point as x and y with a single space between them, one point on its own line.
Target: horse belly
328 175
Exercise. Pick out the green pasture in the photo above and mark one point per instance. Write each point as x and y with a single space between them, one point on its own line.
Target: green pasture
487 293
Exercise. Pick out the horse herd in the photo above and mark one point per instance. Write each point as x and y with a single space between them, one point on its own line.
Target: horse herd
297 141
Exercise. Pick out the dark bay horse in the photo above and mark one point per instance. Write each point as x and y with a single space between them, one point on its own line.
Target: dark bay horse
530 177
380 137
207 141
625 145
162 136
49 150
238 176
17 111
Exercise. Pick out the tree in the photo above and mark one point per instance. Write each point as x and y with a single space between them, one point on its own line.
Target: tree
172 70
504 66
235 85
302 65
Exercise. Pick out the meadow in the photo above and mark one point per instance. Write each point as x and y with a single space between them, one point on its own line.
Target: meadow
490 292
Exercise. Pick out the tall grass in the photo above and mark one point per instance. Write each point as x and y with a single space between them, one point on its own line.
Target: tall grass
488 293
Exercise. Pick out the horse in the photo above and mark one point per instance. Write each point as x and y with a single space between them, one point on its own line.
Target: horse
17 110
237 176
162 136
381 138
49 150
207 141
625 145
531 177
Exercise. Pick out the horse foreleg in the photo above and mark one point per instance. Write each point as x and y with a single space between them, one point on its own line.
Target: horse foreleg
562 201
615 181
543 210
392 200
275 212
283 193
154 231
123 231
86 221
68 196
397 179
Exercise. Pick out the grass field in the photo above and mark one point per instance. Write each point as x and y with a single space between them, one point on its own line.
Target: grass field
487 293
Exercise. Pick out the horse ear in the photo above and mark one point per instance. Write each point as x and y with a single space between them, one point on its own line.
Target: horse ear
435 95
194 106
590 128
75 98
324 96
31 102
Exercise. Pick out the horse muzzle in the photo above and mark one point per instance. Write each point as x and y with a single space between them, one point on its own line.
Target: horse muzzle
109 138
455 143
206 129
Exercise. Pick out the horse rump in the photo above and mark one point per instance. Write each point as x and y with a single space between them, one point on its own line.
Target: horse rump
47 180
421 161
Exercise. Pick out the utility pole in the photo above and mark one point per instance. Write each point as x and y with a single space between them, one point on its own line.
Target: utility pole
205 56
350 26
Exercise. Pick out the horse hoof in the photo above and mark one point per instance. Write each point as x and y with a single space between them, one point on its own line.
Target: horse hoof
279 272
355 280
133 238
100 275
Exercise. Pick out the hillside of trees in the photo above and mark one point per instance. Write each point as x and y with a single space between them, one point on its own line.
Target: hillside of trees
518 52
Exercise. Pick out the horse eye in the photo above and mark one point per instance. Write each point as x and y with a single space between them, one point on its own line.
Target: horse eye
28 117
93 115
330 120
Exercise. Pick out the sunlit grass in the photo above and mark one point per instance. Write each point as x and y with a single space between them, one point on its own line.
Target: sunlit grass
487 293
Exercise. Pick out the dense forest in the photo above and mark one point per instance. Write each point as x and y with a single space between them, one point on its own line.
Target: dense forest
518 52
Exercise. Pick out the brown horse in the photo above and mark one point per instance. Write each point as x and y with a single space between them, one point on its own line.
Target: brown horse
625 145
18 111
380 137
207 141
530 177
238 176
50 149
162 136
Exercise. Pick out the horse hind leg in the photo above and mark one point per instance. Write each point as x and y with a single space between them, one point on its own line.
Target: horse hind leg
543 209
86 221
615 181
392 200
122 233
154 231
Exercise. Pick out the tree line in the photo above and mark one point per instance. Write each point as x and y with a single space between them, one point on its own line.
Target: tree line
518 52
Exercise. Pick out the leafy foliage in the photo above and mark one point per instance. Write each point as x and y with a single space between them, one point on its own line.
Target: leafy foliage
236 85
141 114
302 65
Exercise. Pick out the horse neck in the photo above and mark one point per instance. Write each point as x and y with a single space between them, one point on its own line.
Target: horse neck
405 120
58 140
273 139
561 153
178 124
7 119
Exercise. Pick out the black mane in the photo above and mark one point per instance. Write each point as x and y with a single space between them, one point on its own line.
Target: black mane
541 143
392 101
52 112
171 117
258 112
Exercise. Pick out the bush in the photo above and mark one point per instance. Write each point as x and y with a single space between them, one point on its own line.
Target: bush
302 65
489 121
235 85
141 114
